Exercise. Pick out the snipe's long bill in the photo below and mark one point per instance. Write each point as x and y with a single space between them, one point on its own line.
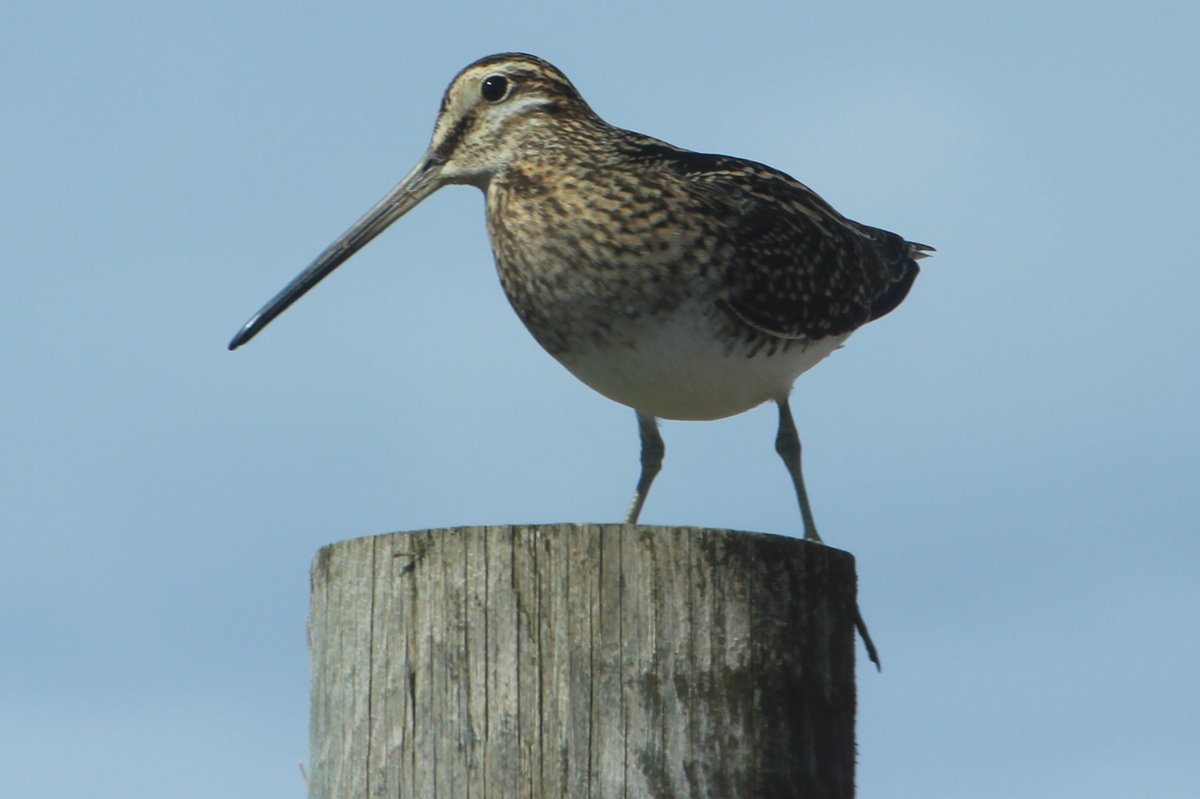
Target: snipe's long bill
681 284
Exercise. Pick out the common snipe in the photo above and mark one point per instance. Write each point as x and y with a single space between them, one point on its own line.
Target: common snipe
683 285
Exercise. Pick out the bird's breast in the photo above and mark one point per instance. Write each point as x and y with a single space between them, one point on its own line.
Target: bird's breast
584 260
625 285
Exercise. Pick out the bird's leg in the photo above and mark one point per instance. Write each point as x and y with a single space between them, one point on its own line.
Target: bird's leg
652 455
787 444
865 635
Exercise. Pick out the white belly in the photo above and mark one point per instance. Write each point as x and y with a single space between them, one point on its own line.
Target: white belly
678 368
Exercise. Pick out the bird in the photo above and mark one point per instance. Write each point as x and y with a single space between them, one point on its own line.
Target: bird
684 285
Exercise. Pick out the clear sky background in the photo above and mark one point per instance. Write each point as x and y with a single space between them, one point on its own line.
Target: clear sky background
1011 455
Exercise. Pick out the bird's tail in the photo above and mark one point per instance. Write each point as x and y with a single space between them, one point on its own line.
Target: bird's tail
918 251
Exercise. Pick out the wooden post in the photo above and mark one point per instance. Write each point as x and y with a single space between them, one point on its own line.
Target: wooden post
584 661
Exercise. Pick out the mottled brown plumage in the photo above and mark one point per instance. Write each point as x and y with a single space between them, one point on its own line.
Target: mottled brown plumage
685 285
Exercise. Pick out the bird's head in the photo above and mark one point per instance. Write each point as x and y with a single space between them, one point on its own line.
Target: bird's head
496 111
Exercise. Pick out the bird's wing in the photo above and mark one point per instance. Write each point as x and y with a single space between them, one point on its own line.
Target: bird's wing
800 269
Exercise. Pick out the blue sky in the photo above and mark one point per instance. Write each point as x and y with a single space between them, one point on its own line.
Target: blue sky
1011 456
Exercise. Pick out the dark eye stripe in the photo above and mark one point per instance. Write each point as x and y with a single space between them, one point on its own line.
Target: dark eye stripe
450 143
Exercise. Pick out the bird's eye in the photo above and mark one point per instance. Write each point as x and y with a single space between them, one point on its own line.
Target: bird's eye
494 88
